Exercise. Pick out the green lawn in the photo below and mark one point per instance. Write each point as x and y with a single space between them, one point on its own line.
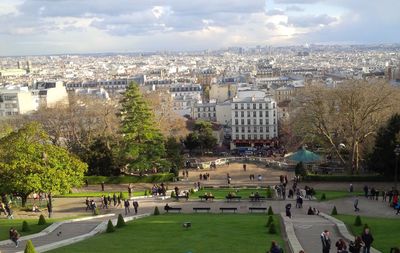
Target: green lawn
97 194
231 233
223 192
5 226
385 231
330 195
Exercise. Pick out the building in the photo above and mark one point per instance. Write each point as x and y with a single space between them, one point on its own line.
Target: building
224 113
192 90
93 92
223 92
254 121
205 111
17 100
49 94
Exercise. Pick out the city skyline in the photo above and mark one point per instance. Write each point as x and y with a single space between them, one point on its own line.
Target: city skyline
35 27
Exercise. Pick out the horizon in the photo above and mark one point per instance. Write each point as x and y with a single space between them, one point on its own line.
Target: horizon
42 27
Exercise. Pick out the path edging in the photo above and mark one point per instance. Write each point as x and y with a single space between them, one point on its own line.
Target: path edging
343 229
294 243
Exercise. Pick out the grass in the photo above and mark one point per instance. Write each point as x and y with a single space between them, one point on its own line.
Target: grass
331 195
222 193
385 231
97 194
5 226
233 233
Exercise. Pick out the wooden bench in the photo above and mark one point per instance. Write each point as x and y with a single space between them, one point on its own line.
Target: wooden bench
173 209
254 198
251 209
234 209
206 198
229 198
201 209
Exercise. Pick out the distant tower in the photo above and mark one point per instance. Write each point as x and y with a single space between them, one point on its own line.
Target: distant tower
19 64
28 66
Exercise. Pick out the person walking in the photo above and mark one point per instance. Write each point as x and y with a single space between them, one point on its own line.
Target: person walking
135 205
355 247
341 246
126 205
102 186
49 208
367 240
114 197
87 202
14 236
356 209
326 242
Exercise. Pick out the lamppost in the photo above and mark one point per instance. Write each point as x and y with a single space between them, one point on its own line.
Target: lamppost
397 153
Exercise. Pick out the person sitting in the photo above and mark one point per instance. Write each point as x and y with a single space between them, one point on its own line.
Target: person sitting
316 211
310 211
35 208
275 248
166 207
257 196
252 195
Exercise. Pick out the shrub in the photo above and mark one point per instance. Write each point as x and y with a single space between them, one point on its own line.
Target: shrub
334 211
29 248
121 195
366 226
146 193
121 221
156 211
42 220
323 197
272 228
299 170
173 195
25 226
270 212
270 221
96 211
358 221
110 227
269 193
191 191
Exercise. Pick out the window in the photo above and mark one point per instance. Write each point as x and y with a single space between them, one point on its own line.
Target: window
248 130
242 121
236 106
236 122
261 121
254 107
274 113
237 137
261 129
248 106
242 113
254 122
248 122
248 113
254 113
255 129
242 106
198 115
261 113
243 137
242 129
273 105
236 114
198 109
236 129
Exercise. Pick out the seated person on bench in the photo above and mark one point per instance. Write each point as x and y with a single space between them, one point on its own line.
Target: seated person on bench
166 207
257 196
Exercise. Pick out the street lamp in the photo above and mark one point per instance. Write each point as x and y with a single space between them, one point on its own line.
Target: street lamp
397 153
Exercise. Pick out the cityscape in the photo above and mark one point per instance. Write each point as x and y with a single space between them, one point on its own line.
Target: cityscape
267 126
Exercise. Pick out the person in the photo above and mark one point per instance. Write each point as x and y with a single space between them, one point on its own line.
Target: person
14 236
288 212
166 207
102 186
275 248
86 183
105 202
126 205
87 202
326 242
366 191
351 188
367 240
114 199
49 208
35 209
299 201
135 205
119 202
310 211
130 190
356 209
244 167
9 212
394 250
341 246
355 247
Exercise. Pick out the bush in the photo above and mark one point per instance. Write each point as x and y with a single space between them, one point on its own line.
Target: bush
25 226
270 212
334 211
270 221
110 227
191 191
29 248
272 228
42 220
96 211
121 221
156 211
323 197
146 193
121 195
269 193
358 221
173 195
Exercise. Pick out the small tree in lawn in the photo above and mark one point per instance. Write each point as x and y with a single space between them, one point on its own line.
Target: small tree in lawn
323 197
110 227
156 211
270 220
272 228
358 221
42 220
334 211
121 221
29 248
25 226
270 212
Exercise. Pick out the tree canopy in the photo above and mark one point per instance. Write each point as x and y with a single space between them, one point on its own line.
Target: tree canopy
29 162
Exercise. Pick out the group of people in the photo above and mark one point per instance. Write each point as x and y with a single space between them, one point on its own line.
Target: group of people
205 176
159 190
107 201
391 196
363 242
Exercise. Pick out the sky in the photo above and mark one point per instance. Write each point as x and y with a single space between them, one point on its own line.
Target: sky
30 27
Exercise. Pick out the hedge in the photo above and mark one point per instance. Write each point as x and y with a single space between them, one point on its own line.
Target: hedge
345 178
153 178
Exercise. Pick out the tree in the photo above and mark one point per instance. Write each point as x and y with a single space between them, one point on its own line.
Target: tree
30 163
202 137
143 145
382 159
29 248
350 114
174 152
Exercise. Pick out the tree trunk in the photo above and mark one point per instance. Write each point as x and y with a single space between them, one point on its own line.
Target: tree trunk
24 198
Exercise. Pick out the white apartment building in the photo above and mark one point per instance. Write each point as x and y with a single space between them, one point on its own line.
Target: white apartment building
49 94
185 97
223 92
206 111
191 90
224 113
16 100
254 121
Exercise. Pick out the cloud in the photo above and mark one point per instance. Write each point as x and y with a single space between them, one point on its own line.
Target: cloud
294 8
297 1
311 21
275 12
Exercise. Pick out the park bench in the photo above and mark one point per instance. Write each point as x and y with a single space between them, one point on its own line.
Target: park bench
251 209
234 209
230 198
174 209
254 198
201 209
205 197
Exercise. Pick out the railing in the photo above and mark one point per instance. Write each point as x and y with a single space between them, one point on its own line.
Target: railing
252 159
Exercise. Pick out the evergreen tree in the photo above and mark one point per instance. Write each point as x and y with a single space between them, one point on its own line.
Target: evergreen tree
110 227
120 221
29 248
174 151
143 141
25 226
382 159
